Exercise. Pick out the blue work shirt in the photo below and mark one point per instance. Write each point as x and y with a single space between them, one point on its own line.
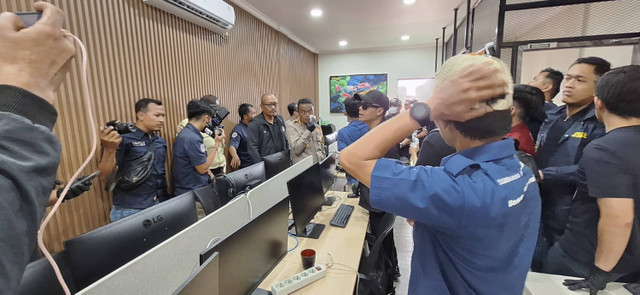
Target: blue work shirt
188 152
476 219
350 133
239 140
133 146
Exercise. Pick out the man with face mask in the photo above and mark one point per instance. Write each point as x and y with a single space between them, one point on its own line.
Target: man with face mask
304 135
191 161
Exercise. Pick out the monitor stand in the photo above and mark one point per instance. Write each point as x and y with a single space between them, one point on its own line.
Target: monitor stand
312 231
328 201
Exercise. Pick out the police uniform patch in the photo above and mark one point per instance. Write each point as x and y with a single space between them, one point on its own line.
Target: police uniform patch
234 134
579 135
139 143
202 148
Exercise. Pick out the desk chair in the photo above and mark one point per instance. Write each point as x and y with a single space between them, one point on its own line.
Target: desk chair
376 272
39 278
208 197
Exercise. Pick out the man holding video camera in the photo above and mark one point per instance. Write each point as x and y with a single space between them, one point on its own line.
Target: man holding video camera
133 160
191 160
219 165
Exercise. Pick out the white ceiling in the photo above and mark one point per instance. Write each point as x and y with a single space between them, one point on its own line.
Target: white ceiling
366 25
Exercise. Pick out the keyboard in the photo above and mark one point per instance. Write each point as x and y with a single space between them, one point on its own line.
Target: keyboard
341 217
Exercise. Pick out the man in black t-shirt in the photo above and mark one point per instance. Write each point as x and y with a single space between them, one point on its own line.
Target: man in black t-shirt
602 239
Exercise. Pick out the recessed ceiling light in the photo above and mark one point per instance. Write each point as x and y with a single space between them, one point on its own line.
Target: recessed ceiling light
409 2
343 43
405 37
316 12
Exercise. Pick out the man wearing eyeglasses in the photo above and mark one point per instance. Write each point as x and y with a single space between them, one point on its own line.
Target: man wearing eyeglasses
267 130
304 135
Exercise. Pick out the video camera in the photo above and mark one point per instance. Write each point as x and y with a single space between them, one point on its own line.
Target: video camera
122 128
219 113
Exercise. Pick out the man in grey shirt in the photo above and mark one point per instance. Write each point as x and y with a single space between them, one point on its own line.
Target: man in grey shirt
34 61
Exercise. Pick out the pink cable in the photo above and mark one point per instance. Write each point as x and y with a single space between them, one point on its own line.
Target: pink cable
94 139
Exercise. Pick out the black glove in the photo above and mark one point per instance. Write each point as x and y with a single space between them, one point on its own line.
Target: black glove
78 187
596 281
311 126
530 162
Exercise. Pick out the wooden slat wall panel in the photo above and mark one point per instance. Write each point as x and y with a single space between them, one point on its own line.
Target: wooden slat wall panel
137 51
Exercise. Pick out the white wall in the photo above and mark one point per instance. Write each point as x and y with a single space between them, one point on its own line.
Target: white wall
405 63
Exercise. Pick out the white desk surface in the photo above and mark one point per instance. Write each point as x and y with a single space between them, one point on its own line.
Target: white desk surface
546 284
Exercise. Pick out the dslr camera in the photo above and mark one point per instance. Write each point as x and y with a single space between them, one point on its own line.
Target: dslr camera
122 128
219 113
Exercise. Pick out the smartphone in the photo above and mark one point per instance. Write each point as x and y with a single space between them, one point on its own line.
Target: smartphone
29 18
92 175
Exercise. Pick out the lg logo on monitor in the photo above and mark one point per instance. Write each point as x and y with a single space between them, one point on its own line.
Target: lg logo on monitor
147 223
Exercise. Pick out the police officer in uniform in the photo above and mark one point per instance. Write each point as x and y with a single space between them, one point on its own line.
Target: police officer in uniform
561 139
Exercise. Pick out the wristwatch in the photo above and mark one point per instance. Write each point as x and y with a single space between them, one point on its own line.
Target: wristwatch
421 113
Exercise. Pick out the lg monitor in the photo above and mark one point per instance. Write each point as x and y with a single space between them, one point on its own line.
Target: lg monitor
307 197
99 252
231 185
249 254
276 163
204 281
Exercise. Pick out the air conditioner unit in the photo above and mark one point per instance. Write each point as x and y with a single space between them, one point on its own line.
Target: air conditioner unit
215 15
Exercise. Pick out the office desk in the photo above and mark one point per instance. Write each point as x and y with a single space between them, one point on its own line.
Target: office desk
344 245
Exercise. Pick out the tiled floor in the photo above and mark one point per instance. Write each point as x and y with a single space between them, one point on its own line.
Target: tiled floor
403 236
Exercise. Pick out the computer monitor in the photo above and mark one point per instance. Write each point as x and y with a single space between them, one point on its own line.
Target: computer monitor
328 171
99 252
204 281
276 163
249 254
231 185
307 197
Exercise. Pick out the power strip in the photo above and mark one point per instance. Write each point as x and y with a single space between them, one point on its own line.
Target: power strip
299 280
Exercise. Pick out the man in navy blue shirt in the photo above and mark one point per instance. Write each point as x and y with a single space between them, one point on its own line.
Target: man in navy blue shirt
240 157
190 160
352 132
561 140
119 150
356 128
548 81
477 216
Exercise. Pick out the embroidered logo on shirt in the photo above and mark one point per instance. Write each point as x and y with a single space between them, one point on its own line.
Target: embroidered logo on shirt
139 143
234 134
202 148
579 135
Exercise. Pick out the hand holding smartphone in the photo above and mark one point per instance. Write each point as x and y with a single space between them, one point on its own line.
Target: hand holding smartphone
29 18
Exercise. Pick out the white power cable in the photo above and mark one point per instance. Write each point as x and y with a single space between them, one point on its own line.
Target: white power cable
94 146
